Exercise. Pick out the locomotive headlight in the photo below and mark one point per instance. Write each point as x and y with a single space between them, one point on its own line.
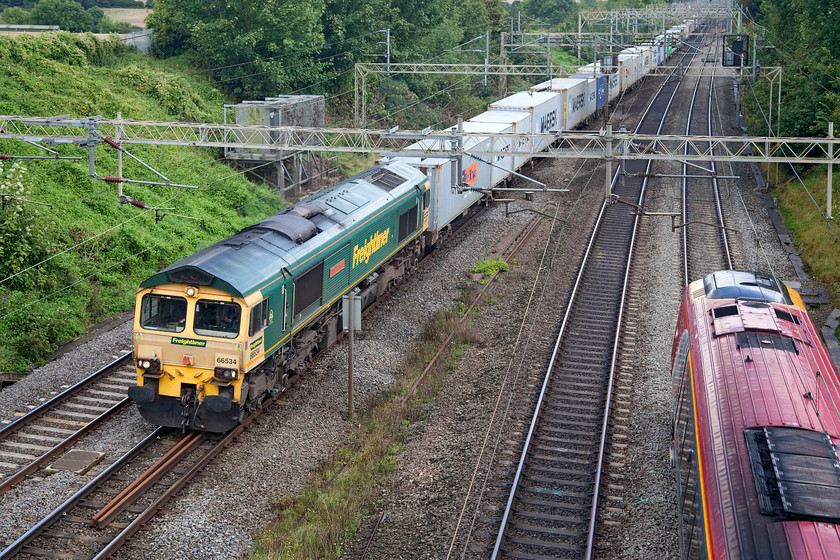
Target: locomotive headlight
149 364
192 291
222 373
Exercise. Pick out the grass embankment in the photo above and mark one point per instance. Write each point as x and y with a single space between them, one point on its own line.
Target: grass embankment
79 261
318 522
813 237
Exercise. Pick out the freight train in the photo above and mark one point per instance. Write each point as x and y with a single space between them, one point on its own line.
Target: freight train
218 332
756 423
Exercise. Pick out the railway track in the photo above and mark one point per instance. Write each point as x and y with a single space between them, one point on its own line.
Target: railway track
102 516
33 440
706 244
551 509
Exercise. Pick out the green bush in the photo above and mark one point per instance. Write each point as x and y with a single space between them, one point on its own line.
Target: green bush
15 16
81 260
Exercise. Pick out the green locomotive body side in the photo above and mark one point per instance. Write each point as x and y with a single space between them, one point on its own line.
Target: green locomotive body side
283 278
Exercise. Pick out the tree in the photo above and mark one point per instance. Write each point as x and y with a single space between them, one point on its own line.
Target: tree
551 12
68 15
15 16
253 48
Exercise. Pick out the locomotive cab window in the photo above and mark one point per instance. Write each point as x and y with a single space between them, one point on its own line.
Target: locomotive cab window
408 222
217 318
163 313
259 317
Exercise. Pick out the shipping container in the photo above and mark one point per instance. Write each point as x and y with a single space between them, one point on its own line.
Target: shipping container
521 123
545 107
611 81
600 84
628 70
501 166
446 202
645 58
575 103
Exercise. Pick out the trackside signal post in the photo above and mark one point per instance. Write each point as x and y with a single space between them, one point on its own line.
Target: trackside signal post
351 311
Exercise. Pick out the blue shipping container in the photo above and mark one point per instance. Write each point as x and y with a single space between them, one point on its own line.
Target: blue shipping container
602 88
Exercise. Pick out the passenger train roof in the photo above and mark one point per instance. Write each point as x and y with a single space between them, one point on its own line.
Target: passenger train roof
742 284
253 257
768 419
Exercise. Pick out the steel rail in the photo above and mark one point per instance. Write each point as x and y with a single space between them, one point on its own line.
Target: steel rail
33 466
590 541
684 208
715 187
71 502
149 478
720 222
64 394
555 354
140 521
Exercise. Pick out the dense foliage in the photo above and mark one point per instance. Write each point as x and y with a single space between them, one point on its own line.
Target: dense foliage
279 46
805 41
84 3
79 260
68 15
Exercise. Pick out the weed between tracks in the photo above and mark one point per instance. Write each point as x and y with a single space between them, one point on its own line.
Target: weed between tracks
318 522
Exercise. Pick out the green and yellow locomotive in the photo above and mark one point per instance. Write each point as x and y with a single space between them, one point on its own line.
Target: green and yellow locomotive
218 332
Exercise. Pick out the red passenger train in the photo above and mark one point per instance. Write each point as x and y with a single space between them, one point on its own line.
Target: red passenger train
756 423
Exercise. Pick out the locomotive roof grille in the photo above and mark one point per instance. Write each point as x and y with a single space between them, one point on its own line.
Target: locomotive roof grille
725 311
796 473
784 315
381 177
291 226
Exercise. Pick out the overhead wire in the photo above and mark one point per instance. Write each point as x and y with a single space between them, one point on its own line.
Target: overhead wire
116 226
510 379
795 172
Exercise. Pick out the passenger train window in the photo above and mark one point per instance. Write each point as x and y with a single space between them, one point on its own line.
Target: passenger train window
217 318
163 313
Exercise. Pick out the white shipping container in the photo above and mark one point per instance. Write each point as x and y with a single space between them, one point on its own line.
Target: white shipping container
613 80
446 203
501 166
628 69
521 123
546 110
575 101
646 60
